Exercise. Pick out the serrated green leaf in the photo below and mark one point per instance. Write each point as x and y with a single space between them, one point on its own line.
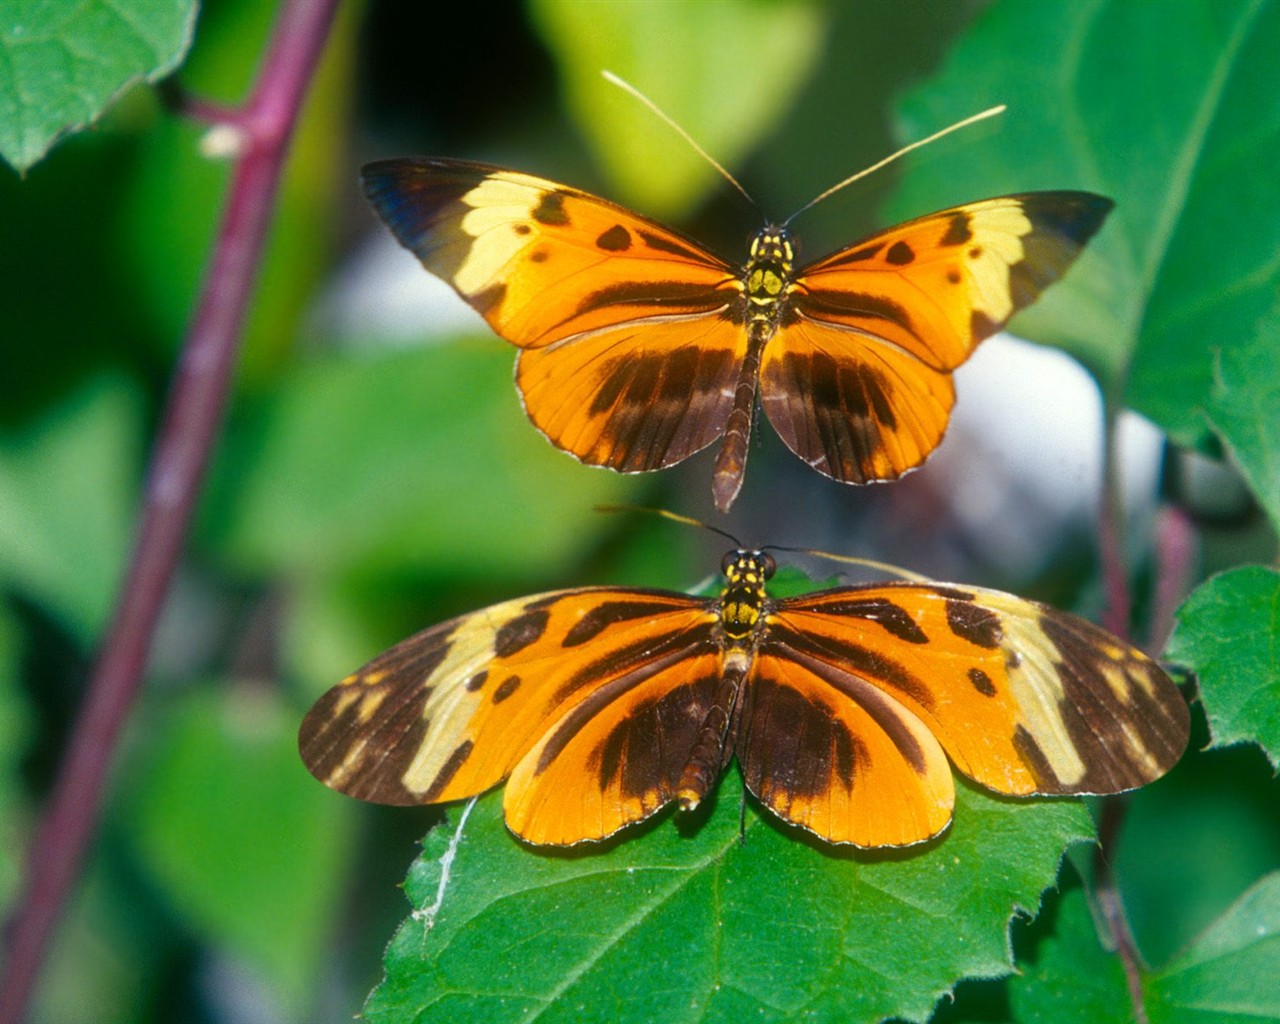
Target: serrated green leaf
1171 110
220 774
682 925
62 63
421 459
688 57
67 489
1229 975
1228 632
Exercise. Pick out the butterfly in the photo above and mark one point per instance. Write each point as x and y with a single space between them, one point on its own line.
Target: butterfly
601 705
639 347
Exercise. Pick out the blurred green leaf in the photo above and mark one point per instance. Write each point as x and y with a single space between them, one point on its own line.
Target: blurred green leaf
177 194
682 925
1244 407
1231 974
237 834
1227 976
1072 978
1170 109
14 727
692 59
62 64
67 491
1228 632
1192 842
417 460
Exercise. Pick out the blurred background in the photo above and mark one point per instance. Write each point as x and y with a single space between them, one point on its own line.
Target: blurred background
377 474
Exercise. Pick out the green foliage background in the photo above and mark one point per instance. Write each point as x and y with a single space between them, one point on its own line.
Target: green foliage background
365 487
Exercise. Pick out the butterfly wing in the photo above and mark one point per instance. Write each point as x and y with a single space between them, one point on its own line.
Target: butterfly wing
604 686
1025 699
631 349
830 752
858 379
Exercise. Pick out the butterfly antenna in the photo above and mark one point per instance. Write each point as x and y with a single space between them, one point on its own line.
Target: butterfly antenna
626 86
675 517
973 119
866 563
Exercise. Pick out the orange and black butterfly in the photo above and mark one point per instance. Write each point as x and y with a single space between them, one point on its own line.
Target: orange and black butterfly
601 705
639 347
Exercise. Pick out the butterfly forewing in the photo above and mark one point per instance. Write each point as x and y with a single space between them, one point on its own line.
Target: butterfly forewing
449 712
543 262
857 381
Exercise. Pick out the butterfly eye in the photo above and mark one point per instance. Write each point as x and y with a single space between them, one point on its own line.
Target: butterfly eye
730 559
767 565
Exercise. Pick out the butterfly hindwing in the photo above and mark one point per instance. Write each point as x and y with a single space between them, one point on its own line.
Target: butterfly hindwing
857 381
833 754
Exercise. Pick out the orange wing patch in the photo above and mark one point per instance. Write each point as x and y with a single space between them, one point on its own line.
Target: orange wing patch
601 706
640 347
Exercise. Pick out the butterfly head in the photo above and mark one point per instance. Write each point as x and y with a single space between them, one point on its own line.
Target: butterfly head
743 598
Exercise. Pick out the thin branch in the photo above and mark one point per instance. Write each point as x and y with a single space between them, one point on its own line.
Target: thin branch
1115 617
1111 905
191 423
1115 574
1175 561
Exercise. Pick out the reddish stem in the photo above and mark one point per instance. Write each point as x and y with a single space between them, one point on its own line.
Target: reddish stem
191 422
1115 575
1175 562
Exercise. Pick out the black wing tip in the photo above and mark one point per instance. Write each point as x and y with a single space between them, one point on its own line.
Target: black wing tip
1076 215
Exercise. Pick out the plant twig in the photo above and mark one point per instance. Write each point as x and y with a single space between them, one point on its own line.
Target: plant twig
1115 576
1175 557
191 422
1111 906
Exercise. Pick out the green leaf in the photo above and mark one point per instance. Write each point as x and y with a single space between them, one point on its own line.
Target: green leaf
1231 974
14 727
1072 978
221 773
176 195
682 924
1172 110
1228 631
67 490
421 459
689 58
1227 976
62 63
1244 408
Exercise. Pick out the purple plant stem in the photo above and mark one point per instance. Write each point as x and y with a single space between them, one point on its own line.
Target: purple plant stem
1176 550
1115 575
192 420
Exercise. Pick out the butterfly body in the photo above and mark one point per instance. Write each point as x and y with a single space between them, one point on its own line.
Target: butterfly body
600 706
639 347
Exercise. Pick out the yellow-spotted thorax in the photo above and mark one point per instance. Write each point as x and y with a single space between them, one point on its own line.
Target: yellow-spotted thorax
768 273
743 598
